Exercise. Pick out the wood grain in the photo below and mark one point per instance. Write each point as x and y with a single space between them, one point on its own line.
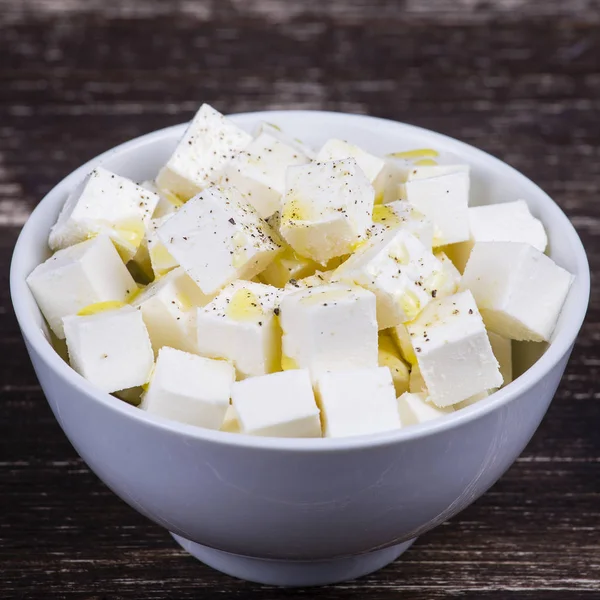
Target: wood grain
518 78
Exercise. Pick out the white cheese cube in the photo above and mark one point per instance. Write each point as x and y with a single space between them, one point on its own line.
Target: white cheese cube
402 214
502 349
105 203
401 336
444 200
111 349
402 273
326 209
449 283
472 400
217 237
258 172
519 290
286 267
277 405
168 307
231 423
395 174
276 132
240 325
507 222
357 402
161 260
453 350
415 409
389 356
168 203
208 144
189 389
328 328
372 166
83 274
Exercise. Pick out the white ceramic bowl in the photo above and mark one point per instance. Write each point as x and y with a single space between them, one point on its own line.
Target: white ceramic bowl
303 511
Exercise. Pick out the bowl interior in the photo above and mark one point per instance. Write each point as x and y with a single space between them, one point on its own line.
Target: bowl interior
491 181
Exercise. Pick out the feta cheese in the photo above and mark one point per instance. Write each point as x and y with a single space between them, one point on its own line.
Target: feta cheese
168 202
326 209
502 349
357 402
444 200
415 409
277 405
450 280
401 214
240 325
400 335
168 309
110 349
161 260
372 166
231 423
286 267
189 389
258 172
80 275
208 144
389 356
519 290
402 273
508 222
276 132
453 350
105 203
217 237
328 328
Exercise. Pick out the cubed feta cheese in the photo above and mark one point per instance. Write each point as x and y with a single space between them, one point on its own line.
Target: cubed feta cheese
444 200
168 307
357 402
453 350
288 266
372 166
331 327
189 389
415 409
401 214
231 423
519 290
83 274
208 144
508 222
448 284
389 356
240 325
160 258
277 405
168 202
276 132
502 349
111 349
258 172
402 273
217 237
105 203
326 209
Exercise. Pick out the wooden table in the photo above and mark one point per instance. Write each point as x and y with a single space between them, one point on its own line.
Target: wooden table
518 78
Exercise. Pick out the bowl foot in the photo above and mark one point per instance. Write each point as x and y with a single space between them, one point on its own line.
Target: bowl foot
293 573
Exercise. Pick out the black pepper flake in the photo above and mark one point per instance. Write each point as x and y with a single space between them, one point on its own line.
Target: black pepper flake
232 221
104 356
433 293
418 349
260 323
276 311
470 311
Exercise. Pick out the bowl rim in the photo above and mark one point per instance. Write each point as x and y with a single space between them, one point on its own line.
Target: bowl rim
556 350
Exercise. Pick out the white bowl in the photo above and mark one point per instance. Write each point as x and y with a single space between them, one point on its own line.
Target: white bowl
303 511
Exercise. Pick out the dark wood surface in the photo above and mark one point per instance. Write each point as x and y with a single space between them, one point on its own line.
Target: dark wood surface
518 78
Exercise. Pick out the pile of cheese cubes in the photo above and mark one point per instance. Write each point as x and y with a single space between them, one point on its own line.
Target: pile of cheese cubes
256 286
